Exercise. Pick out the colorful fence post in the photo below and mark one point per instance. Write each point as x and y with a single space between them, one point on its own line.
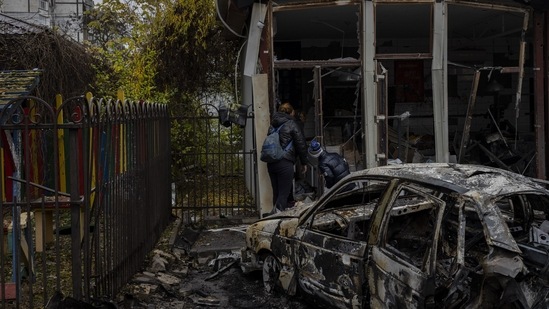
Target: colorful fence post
117 208
61 151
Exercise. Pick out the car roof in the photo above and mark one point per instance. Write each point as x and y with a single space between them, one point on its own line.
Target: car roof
462 178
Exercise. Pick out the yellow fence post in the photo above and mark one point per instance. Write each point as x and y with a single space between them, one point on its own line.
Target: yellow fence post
61 144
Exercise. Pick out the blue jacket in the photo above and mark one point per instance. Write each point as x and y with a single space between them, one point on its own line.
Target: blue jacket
333 167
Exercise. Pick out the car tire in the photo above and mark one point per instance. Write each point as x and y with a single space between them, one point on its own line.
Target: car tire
271 272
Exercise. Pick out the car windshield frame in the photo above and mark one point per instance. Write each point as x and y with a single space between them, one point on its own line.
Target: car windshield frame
337 191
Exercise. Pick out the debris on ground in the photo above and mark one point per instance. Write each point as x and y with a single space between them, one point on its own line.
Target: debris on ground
199 269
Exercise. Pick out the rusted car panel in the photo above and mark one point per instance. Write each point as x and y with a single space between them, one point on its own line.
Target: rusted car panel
332 269
413 236
404 294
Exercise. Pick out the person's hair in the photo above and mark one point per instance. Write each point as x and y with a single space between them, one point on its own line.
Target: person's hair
286 108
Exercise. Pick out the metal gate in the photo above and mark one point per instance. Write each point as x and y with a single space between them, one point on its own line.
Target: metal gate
217 167
85 189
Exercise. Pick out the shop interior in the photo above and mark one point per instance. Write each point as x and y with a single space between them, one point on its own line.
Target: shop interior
485 123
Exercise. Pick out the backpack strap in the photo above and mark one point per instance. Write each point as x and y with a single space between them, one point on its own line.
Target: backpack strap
288 146
291 141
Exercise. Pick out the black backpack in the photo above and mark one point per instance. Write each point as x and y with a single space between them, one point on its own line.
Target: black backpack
272 151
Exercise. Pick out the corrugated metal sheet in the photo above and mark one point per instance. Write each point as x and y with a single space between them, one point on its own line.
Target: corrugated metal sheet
14 84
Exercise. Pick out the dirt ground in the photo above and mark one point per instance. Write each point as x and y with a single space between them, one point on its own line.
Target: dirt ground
176 277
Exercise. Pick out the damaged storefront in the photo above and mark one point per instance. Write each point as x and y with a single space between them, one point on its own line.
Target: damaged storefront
387 81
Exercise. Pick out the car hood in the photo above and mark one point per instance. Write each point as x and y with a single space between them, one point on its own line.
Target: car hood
294 212
258 234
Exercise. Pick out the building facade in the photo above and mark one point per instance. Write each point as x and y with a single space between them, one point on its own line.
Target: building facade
407 80
67 16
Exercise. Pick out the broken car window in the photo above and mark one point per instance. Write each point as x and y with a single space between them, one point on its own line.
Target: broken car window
528 218
412 224
348 214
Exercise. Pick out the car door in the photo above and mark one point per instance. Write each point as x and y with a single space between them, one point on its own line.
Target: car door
403 244
332 268
333 246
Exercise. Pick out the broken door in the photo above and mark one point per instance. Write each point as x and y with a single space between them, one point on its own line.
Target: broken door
403 255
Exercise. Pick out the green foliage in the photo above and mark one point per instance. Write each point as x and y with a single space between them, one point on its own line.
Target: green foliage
161 49
192 54
167 51
120 33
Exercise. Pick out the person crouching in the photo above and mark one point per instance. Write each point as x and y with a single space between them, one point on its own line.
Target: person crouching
332 166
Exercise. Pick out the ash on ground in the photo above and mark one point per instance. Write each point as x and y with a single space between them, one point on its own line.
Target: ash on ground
200 269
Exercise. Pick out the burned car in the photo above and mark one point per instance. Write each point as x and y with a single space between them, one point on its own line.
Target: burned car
412 236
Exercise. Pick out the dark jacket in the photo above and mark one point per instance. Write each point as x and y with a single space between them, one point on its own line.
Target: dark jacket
290 132
333 167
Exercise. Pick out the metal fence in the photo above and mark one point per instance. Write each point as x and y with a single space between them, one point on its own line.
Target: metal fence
85 187
216 176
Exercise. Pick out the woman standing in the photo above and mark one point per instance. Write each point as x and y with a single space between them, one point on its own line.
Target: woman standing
282 172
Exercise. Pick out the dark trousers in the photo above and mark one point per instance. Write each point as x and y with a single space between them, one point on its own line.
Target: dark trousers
282 176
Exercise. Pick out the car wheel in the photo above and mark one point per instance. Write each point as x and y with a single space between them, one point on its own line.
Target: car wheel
271 271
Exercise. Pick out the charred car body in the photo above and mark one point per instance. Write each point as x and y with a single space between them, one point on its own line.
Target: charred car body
412 236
